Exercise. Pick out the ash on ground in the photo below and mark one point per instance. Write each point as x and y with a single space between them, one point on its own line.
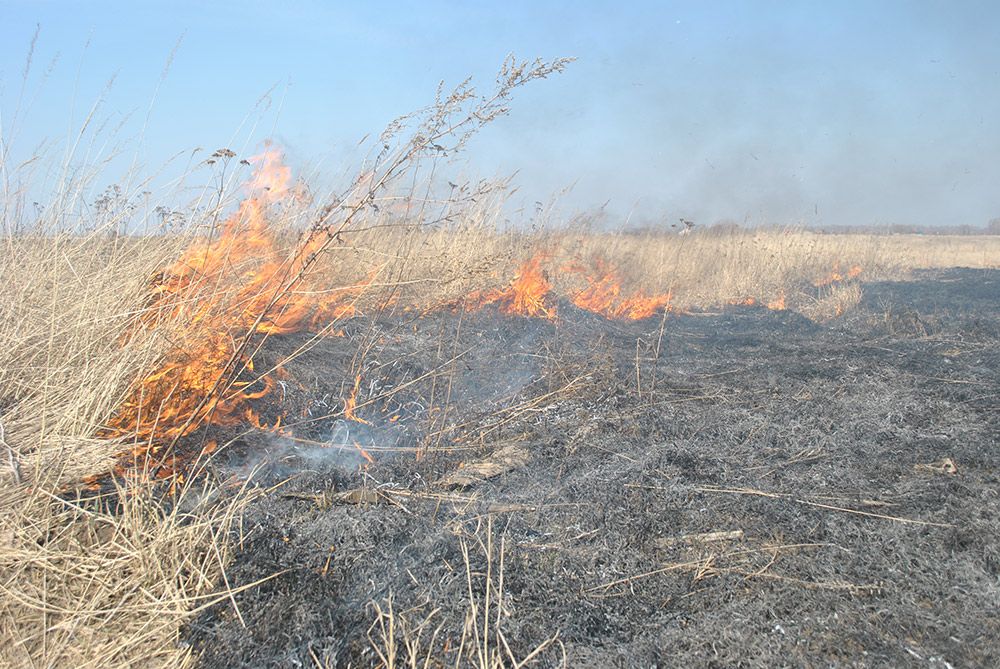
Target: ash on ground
745 488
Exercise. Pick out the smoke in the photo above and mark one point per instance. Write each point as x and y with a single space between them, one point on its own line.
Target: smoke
828 113
803 115
344 446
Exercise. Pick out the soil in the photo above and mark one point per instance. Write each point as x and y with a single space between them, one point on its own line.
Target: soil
744 488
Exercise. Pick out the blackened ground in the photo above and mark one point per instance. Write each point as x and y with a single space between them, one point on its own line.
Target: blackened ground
818 449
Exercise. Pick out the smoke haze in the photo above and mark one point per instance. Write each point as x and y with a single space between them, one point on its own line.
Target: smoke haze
848 113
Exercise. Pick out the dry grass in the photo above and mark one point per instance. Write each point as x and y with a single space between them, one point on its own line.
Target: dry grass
87 587
66 303
410 639
701 271
80 586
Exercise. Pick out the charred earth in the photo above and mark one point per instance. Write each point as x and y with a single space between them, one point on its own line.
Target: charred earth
739 488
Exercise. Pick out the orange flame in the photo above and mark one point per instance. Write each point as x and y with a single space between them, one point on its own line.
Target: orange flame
778 303
351 403
223 290
603 296
836 275
365 454
525 296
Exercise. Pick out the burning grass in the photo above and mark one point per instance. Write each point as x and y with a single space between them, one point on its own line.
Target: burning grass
734 470
104 364
119 351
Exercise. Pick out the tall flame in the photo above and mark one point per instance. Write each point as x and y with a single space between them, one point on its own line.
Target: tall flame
219 292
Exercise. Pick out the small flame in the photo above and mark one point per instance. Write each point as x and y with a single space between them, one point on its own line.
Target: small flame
778 303
603 296
351 403
525 296
836 275
365 454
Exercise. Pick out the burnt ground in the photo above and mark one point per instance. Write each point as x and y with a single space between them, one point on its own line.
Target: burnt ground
743 488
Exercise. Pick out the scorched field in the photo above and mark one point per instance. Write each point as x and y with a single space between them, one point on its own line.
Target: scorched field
393 429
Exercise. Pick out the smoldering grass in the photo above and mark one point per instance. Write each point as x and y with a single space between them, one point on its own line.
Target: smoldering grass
86 587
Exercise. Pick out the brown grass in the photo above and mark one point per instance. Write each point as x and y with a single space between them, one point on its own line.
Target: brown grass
80 586
702 271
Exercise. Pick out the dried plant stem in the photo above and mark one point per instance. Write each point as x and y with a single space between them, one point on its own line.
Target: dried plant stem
12 459
829 507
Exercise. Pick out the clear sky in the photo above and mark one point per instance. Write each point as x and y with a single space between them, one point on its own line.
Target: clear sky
830 112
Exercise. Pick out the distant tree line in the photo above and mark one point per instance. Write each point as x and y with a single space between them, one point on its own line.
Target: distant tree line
991 228
729 227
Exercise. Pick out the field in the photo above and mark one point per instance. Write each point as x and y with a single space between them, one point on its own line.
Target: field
765 491
391 429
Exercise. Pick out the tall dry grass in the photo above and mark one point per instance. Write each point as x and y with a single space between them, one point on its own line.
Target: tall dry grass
79 585
707 270
701 271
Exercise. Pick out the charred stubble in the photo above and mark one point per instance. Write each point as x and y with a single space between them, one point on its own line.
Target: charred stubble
776 496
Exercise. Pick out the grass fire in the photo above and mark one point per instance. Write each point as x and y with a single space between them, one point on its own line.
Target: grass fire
400 418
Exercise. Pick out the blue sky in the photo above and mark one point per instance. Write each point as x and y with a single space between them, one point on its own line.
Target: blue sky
774 112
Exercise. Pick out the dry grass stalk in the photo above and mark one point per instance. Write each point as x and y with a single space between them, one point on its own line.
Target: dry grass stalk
819 505
481 643
703 566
